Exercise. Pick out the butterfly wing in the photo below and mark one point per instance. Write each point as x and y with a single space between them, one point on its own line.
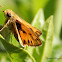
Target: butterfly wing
27 35
33 29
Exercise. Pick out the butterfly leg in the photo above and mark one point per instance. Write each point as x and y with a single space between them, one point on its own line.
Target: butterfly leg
3 28
5 32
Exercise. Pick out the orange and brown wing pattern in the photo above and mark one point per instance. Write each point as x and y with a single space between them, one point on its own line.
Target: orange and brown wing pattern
27 35
33 29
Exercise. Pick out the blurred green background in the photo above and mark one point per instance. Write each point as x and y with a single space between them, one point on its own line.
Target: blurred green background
27 10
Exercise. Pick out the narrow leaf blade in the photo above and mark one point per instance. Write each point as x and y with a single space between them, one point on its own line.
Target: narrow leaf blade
16 54
38 22
48 37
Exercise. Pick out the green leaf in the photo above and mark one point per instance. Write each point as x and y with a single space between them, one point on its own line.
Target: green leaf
4 57
38 22
56 54
39 53
48 37
16 54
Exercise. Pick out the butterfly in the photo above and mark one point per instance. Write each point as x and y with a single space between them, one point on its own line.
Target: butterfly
24 32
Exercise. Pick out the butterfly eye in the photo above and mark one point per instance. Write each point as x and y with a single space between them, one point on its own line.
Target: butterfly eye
8 14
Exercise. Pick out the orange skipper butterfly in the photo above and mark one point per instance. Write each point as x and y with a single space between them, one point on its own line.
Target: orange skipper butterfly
22 30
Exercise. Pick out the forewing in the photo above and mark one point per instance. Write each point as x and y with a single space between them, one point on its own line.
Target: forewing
33 29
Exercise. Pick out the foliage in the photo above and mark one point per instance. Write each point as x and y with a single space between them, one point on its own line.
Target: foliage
18 55
51 29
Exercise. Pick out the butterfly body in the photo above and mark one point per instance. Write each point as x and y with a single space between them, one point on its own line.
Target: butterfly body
22 30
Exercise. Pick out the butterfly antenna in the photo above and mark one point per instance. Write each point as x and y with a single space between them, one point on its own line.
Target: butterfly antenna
2 7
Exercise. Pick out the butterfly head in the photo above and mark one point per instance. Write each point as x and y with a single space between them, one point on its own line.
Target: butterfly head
8 13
